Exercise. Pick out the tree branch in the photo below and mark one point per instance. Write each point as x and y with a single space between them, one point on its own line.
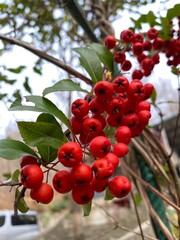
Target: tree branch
46 57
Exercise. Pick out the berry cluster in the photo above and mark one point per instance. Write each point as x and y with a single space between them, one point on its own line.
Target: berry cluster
145 48
101 125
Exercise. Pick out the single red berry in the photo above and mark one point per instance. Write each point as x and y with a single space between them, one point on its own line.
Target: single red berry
63 181
119 186
76 124
141 57
137 74
127 36
70 154
120 149
138 37
44 194
82 174
120 84
147 46
102 168
136 130
82 194
143 105
119 57
137 48
28 159
96 106
148 90
85 138
115 106
155 58
158 44
31 176
130 119
144 116
100 146
103 90
126 65
147 64
152 33
92 127
113 159
123 134
110 42
99 185
80 107
114 120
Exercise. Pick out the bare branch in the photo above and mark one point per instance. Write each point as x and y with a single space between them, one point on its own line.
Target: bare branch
46 57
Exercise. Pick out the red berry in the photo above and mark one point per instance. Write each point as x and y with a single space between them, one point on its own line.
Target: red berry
120 84
137 48
126 65
147 46
70 154
44 194
147 64
99 185
119 57
63 181
101 118
127 36
137 74
31 176
148 89
144 116
155 58
82 174
100 146
113 159
120 149
123 134
138 37
110 42
25 160
115 106
82 194
80 108
96 106
114 120
158 44
92 127
103 90
76 124
152 33
119 186
144 105
103 168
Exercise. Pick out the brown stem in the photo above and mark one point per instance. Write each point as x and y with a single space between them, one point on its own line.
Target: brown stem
46 57
147 185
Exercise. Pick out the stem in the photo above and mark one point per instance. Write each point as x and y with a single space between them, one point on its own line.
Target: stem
46 57
147 185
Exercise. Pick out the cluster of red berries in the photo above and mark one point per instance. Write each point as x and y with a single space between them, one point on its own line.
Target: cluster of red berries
146 49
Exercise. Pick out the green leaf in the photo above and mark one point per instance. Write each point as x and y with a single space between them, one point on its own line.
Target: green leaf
173 12
15 175
16 70
12 149
87 209
21 205
37 70
48 154
104 54
42 133
175 70
137 198
151 18
64 85
91 63
42 104
107 195
153 96
26 85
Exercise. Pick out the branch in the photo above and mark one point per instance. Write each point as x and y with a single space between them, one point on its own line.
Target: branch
46 57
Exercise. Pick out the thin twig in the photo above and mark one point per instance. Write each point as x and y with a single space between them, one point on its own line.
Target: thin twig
147 185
